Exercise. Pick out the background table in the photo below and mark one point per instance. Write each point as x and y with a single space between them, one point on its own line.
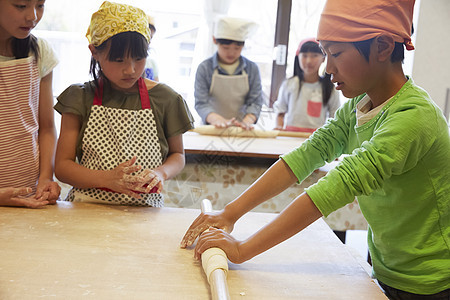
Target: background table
94 251
195 143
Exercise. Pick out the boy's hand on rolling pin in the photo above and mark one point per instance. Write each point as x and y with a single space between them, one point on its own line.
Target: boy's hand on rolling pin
202 223
51 188
220 239
18 197
120 179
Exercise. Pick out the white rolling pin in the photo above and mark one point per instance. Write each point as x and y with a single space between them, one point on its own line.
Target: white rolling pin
215 265
239 132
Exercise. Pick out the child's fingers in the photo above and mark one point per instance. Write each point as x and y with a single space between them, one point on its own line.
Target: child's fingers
21 191
159 187
39 193
29 202
43 197
152 184
144 175
131 161
131 169
134 179
135 186
129 166
220 125
132 194
54 192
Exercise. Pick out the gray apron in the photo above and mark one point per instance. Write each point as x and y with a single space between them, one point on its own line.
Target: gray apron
229 93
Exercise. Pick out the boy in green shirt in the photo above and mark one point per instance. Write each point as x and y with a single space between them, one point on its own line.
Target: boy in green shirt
398 164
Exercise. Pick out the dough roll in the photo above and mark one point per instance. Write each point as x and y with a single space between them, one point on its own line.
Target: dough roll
213 259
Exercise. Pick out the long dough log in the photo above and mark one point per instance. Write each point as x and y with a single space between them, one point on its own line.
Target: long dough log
235 131
215 265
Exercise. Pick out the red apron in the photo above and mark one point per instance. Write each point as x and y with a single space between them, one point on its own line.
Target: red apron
299 129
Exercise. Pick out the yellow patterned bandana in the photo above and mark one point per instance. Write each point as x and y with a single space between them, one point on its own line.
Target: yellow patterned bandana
114 18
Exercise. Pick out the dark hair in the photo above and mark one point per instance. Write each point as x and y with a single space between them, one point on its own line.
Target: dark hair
398 54
310 46
327 85
21 47
228 42
151 27
122 44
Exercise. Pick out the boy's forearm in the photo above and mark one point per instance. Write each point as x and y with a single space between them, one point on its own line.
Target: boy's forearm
275 180
297 216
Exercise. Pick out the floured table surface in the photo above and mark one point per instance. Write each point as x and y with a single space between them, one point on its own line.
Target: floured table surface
93 251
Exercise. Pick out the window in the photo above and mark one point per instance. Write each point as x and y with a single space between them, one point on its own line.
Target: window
183 37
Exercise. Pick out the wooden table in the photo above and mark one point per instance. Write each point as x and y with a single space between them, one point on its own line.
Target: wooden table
93 251
195 143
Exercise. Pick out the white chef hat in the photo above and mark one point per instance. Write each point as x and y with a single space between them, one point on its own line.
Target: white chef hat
234 29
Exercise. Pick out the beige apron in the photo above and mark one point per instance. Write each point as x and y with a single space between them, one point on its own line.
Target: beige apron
113 136
19 123
229 93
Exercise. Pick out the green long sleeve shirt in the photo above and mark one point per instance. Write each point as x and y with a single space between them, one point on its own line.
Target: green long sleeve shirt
399 168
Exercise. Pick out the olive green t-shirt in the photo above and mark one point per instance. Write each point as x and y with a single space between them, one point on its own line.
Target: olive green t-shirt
172 115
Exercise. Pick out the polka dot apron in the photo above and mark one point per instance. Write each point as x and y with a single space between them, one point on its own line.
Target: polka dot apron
113 136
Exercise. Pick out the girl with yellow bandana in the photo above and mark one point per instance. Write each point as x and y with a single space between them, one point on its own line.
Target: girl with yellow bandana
120 133
398 165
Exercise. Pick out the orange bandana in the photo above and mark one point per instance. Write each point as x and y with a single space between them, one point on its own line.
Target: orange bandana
360 20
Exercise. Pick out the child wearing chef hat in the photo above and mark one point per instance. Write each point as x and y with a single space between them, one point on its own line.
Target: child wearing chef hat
227 85
398 147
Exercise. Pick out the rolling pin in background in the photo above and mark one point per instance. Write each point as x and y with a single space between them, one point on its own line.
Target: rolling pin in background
239 132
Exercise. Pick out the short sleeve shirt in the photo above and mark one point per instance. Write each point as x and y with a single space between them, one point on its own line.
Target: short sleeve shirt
172 115
47 58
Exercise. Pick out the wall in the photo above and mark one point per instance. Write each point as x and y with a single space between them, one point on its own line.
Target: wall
431 60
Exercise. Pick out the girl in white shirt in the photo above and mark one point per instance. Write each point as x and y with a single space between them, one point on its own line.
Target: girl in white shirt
27 130
306 99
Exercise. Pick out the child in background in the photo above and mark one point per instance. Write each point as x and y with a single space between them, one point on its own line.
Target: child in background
125 131
28 135
151 70
398 164
306 99
227 85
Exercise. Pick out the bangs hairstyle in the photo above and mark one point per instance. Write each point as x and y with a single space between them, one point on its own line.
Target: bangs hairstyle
122 45
310 47
325 81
